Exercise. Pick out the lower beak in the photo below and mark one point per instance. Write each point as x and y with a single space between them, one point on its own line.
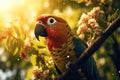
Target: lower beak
40 30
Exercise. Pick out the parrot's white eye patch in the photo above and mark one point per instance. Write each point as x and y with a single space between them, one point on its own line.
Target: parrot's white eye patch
51 21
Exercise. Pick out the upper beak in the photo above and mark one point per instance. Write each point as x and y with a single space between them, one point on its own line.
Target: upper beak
40 30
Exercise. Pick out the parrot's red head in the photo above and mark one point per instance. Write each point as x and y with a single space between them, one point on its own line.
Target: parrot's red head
53 28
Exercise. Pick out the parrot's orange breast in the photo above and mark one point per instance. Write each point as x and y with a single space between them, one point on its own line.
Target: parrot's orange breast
57 35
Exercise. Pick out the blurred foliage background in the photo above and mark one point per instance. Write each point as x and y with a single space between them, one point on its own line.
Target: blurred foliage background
22 57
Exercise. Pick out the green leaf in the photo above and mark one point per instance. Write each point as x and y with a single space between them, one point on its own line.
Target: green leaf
16 50
33 59
29 74
80 1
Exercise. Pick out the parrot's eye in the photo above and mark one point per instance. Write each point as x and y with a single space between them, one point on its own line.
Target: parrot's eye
51 21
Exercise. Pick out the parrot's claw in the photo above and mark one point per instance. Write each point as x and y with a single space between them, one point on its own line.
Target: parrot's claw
71 67
68 65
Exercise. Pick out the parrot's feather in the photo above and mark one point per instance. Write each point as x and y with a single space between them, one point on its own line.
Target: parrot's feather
89 68
79 46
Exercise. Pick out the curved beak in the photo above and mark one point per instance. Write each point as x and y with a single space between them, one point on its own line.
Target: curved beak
40 30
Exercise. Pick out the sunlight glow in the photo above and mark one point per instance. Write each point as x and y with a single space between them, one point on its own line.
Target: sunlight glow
1 50
8 4
3 58
4 4
6 74
46 4
68 11
56 11
102 61
32 34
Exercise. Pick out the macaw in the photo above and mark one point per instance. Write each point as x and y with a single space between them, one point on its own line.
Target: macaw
64 46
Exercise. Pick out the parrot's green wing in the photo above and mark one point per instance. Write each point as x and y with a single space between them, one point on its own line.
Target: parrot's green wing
89 68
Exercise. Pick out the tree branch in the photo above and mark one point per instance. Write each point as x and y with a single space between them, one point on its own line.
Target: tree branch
95 46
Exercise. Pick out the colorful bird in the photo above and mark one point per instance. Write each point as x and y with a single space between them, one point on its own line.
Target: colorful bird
64 46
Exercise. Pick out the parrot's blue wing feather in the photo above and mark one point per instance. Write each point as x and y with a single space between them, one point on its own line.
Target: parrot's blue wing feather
89 68
80 46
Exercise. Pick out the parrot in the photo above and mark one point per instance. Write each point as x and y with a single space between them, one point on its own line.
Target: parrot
65 47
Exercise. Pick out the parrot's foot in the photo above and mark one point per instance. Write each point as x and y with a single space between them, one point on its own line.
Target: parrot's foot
73 73
70 66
